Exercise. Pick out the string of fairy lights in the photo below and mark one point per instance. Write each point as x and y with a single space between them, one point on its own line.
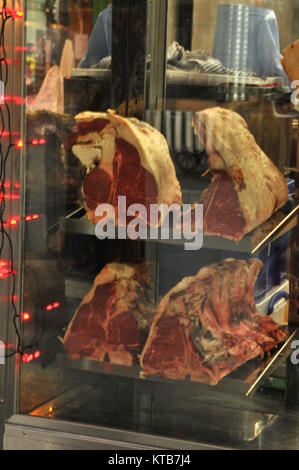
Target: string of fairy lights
7 269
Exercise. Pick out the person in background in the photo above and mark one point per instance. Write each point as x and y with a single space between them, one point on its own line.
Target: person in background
99 43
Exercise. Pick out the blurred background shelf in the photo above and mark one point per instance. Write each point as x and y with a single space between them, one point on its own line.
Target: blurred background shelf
189 78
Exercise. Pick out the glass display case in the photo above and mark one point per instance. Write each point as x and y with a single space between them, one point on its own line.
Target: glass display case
150 261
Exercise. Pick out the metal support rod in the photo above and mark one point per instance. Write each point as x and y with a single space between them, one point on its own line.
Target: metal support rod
158 57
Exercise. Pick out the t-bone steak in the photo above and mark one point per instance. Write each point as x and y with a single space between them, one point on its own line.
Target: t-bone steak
207 326
247 188
113 320
123 157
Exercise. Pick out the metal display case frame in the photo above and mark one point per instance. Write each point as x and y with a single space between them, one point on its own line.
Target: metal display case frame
129 95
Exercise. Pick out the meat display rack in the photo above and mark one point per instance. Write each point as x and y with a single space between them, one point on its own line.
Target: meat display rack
180 77
244 381
280 223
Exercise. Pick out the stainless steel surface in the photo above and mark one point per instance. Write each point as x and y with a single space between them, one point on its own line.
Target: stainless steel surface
26 432
243 425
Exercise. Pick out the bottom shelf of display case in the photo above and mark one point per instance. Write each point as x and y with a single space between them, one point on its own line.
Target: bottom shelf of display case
154 410
244 381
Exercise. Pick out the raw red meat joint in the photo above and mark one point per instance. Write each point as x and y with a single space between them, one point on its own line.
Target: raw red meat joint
207 326
113 320
123 157
247 188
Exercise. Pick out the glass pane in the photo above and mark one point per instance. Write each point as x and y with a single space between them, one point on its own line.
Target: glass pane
146 334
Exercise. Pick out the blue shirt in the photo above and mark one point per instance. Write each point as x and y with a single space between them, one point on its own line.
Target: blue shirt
247 38
99 44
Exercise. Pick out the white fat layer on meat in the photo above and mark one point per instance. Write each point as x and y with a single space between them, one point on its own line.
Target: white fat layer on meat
111 272
95 148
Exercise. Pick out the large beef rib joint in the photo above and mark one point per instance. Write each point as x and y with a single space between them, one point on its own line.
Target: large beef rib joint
247 188
123 157
207 326
113 320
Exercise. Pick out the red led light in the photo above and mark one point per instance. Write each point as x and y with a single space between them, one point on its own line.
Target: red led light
28 218
49 307
19 144
12 12
4 273
5 134
17 185
34 142
9 196
25 316
42 141
18 99
27 357
36 355
56 305
12 222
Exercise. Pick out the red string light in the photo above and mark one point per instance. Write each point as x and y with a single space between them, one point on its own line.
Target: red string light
25 316
9 196
21 48
12 222
27 357
52 306
5 134
5 273
12 12
19 144
29 218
